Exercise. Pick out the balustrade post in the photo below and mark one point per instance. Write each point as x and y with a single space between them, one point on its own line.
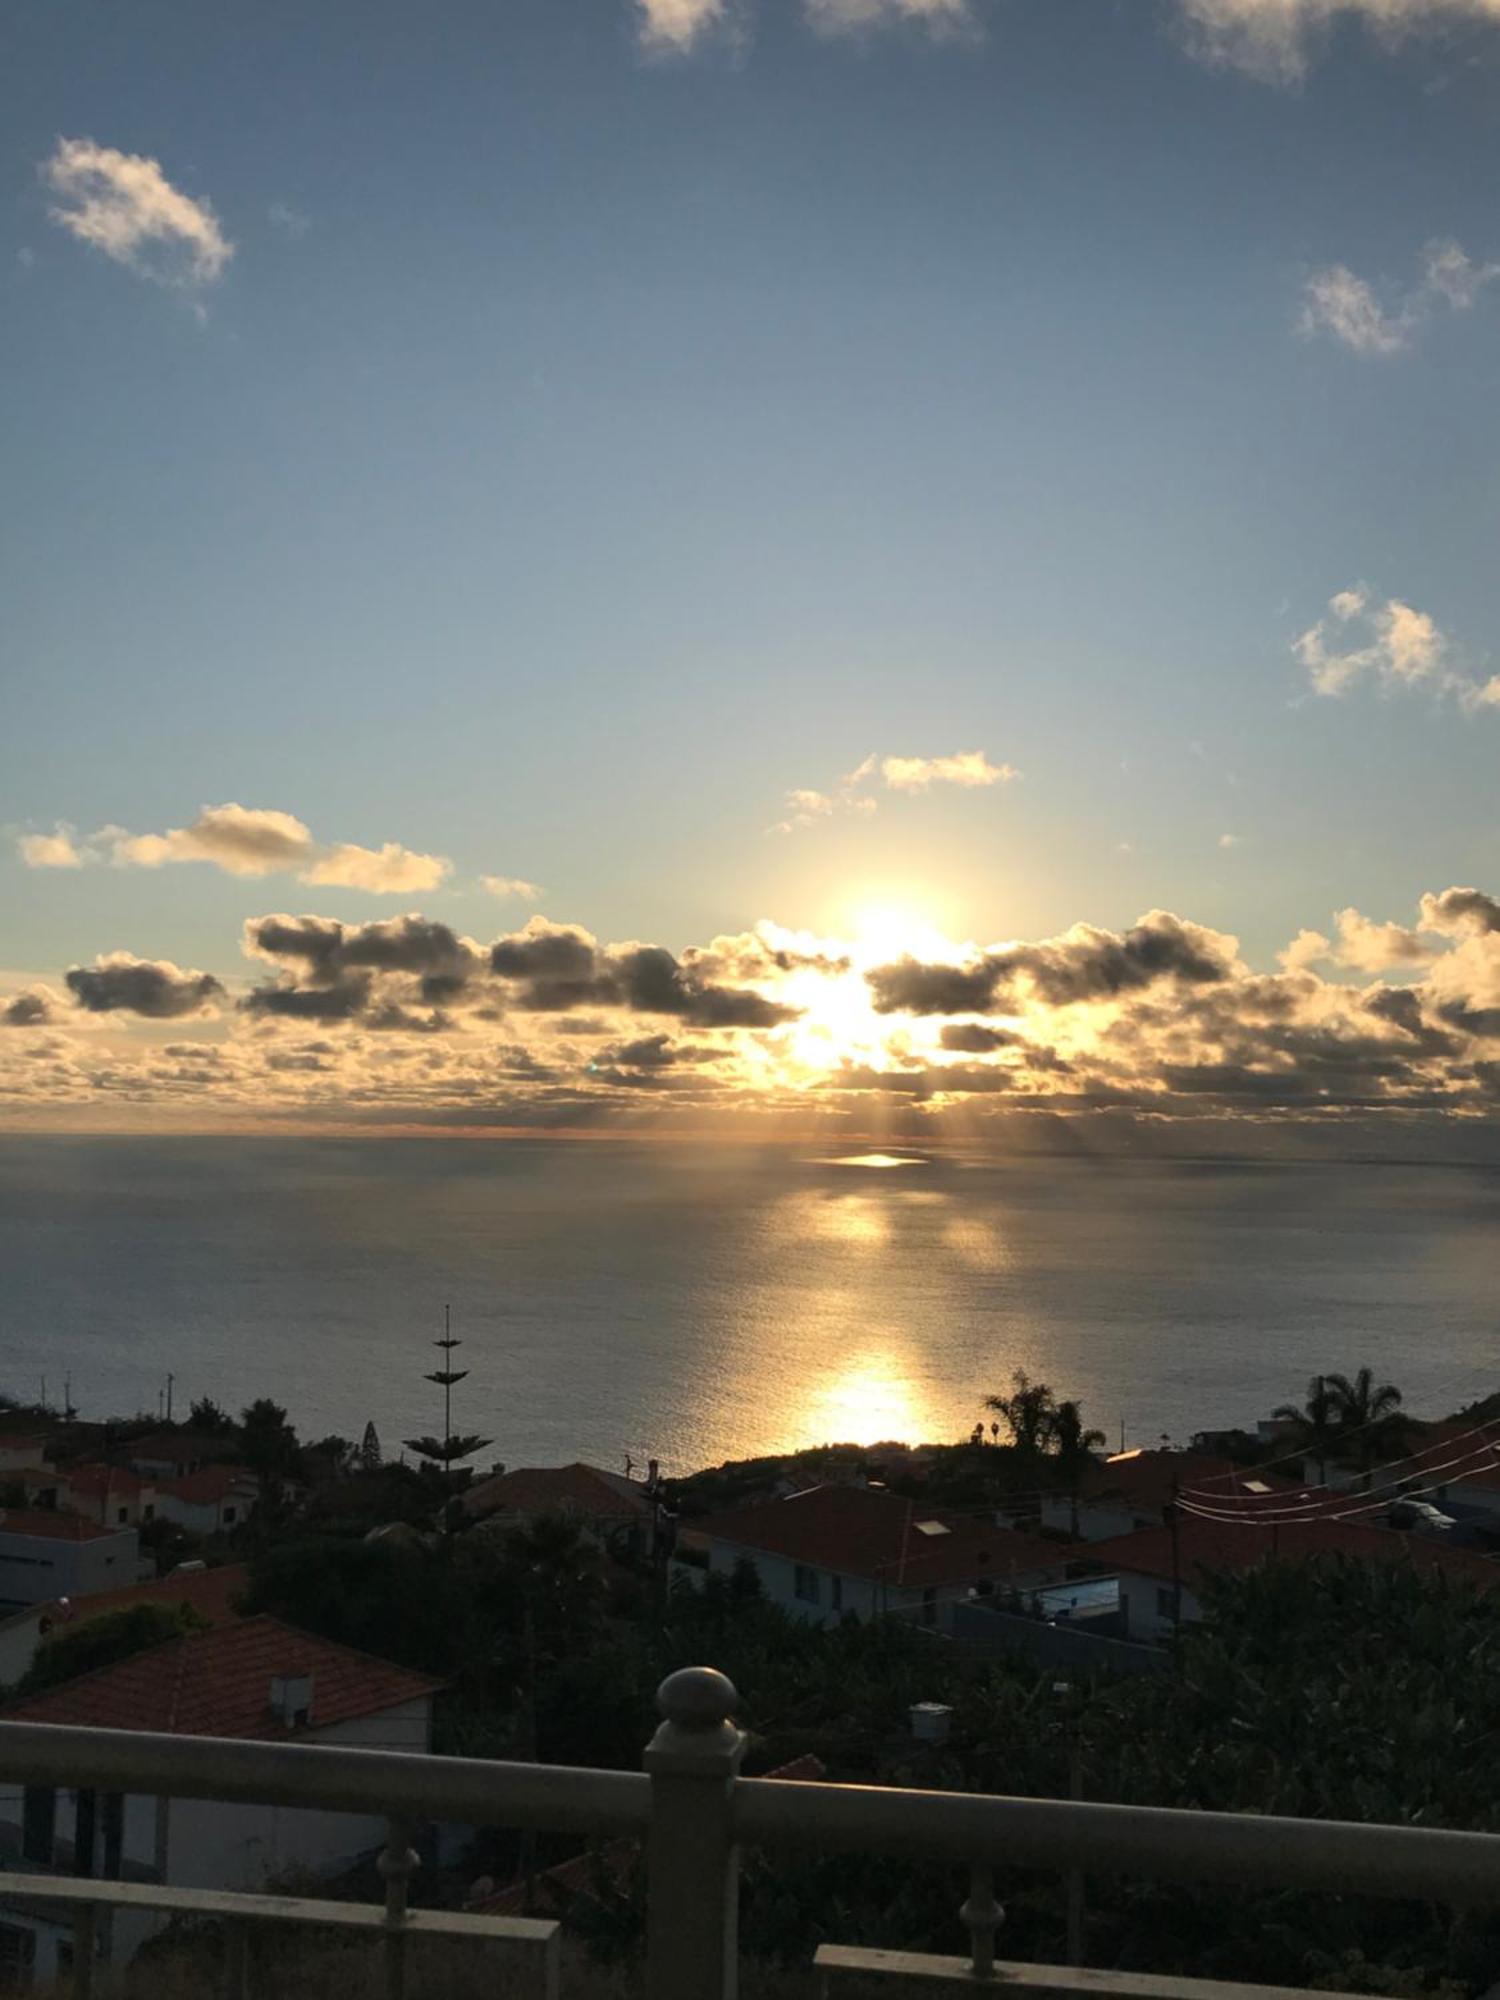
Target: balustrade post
398 1862
693 1868
982 1916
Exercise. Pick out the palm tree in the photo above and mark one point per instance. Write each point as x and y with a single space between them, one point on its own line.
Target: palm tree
1369 1413
1316 1423
1029 1412
1073 1446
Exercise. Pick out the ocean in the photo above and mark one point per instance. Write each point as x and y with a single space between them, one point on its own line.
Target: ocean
620 1298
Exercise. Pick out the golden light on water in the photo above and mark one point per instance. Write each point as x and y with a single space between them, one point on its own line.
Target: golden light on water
869 1400
881 1160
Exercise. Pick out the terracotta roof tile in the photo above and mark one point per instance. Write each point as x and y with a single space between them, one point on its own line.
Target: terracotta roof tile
857 1531
218 1684
53 1525
1215 1545
211 1592
562 1489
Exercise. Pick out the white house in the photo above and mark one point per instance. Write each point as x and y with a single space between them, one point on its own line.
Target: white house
252 1680
839 1551
208 1501
46 1554
174 1454
1134 1489
1160 1573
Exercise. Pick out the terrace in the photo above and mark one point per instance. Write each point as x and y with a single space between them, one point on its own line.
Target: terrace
692 1811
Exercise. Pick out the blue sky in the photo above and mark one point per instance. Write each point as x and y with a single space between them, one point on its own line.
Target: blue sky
585 445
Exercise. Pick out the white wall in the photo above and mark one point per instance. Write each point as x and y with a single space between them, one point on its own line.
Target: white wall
1098 1520
839 1594
20 1635
34 1568
1145 1601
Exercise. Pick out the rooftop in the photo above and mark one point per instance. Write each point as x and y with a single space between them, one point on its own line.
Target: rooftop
1149 1477
218 1684
559 1489
182 1447
863 1532
212 1593
1231 1545
53 1524
209 1484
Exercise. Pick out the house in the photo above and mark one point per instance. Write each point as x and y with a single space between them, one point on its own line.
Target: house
609 1507
250 1680
22 1451
1116 1496
174 1454
1154 1563
46 1553
112 1495
209 1501
213 1595
840 1551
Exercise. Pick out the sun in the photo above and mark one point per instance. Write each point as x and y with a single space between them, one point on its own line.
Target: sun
838 1025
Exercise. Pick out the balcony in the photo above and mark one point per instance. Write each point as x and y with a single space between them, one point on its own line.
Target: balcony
692 1812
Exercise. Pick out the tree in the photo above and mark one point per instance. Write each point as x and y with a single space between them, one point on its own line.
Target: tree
1028 1412
205 1415
270 1447
445 1452
1370 1414
1073 1447
1316 1424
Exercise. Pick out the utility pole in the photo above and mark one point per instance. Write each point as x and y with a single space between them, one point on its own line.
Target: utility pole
1173 1512
171 1378
1073 1879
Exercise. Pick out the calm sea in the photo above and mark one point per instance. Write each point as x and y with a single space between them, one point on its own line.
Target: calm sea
716 1303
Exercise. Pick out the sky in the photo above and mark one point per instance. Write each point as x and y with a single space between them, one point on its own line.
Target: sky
889 565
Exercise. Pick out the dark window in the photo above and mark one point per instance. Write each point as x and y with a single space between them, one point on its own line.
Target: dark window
123 1514
38 1823
805 1584
17 1957
1165 1602
229 1514
836 1592
149 1513
929 1606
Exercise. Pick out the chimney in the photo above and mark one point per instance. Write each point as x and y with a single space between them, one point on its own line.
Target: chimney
930 1721
291 1699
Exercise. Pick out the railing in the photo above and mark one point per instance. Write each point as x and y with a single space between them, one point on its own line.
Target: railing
693 1810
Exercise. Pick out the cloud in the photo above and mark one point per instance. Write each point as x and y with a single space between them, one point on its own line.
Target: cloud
249 841
844 17
119 982
1393 645
1336 302
1229 840
1276 39
1461 911
966 768
510 885
51 850
31 1009
124 205
1374 947
675 26
288 220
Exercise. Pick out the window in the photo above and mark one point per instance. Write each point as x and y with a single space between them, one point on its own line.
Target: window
836 1592
17 1957
149 1513
122 1515
929 1606
229 1514
1166 1602
38 1824
805 1584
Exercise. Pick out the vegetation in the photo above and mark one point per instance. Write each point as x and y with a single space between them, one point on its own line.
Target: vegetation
1349 1421
101 1642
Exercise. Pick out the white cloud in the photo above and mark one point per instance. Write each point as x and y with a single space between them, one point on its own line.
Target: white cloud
1336 302
511 885
124 205
1392 644
965 767
675 26
249 841
290 221
51 850
1228 840
1368 946
1275 39
842 17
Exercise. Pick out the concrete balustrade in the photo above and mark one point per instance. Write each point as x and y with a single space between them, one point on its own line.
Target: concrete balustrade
692 1810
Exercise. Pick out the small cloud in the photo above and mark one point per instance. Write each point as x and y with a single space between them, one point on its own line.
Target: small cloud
1392 644
124 205
288 220
1336 302
248 841
51 850
510 885
1275 40
118 982
26 257
1227 840
672 27
845 17
967 768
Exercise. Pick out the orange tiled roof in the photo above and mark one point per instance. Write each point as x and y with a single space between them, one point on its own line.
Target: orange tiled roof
1228 1545
212 1593
857 1531
559 1489
53 1524
210 1483
218 1684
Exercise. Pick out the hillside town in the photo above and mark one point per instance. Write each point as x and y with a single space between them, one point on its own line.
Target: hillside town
218 1578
